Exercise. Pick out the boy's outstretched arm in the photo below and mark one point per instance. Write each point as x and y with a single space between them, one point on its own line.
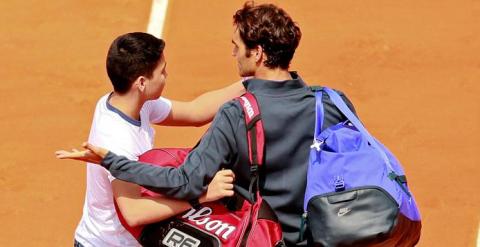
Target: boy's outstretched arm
202 109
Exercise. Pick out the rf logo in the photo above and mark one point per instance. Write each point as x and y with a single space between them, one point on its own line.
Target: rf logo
176 238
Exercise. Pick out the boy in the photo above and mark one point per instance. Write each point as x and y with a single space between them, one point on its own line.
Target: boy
136 67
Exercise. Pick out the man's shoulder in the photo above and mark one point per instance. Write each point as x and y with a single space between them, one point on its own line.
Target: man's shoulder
231 107
229 113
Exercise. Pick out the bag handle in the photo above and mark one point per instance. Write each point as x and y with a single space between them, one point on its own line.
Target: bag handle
340 104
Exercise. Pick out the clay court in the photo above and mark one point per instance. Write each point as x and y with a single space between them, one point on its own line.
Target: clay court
412 69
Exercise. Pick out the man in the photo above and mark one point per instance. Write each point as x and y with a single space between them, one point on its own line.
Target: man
264 40
136 66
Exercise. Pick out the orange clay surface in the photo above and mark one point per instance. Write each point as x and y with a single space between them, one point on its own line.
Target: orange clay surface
412 69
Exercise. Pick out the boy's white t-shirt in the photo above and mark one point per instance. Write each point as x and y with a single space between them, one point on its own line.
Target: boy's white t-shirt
115 131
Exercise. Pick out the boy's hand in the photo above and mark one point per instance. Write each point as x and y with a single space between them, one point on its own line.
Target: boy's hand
220 186
92 154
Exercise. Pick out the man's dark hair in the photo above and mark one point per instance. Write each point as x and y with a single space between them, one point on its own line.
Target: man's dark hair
132 55
271 28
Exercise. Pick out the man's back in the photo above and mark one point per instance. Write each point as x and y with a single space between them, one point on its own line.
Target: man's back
288 115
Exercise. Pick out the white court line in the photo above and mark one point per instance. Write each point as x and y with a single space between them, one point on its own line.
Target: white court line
478 236
157 18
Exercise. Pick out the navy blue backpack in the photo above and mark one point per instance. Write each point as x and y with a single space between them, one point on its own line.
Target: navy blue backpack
356 194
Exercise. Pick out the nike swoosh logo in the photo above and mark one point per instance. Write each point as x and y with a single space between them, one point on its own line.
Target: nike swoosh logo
343 211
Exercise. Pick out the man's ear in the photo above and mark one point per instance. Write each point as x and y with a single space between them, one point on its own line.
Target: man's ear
258 53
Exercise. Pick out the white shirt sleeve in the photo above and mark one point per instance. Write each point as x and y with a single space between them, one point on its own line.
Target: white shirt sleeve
157 110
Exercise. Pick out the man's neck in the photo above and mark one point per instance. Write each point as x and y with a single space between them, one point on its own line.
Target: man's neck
277 74
128 103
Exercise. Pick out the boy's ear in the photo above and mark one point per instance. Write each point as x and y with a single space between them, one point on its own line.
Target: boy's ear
140 83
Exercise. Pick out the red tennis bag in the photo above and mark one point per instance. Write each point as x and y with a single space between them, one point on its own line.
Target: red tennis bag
241 220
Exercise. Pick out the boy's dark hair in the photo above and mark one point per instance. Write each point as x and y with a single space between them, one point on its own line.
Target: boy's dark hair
271 28
132 55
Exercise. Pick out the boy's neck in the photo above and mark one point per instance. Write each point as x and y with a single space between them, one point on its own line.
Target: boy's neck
128 103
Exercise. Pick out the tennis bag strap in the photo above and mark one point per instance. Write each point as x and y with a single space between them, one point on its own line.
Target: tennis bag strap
255 138
264 228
